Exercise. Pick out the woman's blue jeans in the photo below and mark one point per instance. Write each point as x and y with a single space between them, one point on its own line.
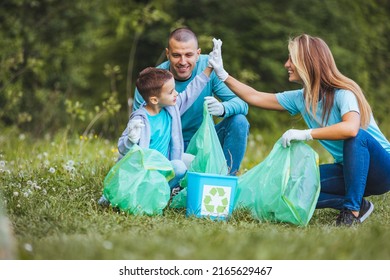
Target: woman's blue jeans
233 135
364 172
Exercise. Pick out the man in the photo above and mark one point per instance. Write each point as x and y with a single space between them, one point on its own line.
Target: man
185 62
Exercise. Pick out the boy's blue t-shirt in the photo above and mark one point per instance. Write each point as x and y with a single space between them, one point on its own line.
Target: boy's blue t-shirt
160 131
193 117
345 101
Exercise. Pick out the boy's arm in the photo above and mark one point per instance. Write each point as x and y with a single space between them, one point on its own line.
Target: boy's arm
130 136
186 98
207 71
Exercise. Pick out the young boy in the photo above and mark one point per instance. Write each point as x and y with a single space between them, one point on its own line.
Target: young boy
157 124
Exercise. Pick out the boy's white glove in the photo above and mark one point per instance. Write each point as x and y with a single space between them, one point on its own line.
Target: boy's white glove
295 134
215 60
214 107
135 127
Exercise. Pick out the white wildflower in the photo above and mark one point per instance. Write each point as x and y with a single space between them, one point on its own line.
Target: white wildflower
52 170
28 247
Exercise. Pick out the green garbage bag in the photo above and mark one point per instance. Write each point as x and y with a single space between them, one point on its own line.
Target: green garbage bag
138 183
284 187
209 157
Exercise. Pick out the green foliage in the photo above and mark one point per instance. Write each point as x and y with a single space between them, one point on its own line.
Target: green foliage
50 188
53 53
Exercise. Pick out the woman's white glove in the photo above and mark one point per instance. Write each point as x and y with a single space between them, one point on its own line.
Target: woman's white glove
135 127
214 107
215 60
295 134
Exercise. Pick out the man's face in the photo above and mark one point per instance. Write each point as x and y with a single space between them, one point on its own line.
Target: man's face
183 57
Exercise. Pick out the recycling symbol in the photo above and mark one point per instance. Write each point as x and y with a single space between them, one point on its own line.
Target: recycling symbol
215 200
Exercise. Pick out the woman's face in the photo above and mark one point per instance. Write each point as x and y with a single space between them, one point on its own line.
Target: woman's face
293 75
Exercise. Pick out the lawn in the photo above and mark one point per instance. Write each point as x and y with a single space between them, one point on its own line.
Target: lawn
50 189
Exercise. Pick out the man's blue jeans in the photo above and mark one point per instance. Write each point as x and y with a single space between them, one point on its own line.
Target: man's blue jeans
180 170
233 135
364 172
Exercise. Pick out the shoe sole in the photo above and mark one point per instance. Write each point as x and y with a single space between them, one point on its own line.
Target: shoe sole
368 213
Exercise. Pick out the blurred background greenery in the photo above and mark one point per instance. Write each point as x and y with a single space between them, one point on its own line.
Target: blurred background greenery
72 64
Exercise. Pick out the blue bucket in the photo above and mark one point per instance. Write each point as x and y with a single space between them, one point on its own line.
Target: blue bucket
210 195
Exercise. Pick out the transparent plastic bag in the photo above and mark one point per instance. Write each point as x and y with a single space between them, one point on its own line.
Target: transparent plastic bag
284 187
209 157
138 183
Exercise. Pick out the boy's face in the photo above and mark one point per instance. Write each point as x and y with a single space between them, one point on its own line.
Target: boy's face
183 57
168 94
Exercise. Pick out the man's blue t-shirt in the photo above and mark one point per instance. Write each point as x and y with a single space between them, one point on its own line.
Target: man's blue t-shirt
193 117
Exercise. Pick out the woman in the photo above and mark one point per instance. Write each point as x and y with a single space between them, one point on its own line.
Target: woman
338 115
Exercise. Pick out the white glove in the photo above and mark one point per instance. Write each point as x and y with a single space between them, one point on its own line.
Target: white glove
214 107
215 60
295 134
135 127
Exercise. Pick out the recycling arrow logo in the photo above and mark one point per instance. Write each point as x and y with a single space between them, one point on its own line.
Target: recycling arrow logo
215 200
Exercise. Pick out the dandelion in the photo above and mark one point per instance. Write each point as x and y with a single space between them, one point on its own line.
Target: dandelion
22 137
52 170
2 164
16 194
29 182
69 166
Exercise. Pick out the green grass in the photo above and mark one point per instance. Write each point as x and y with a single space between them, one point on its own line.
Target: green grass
50 188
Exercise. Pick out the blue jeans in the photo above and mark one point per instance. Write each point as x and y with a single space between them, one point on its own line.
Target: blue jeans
180 170
233 135
365 172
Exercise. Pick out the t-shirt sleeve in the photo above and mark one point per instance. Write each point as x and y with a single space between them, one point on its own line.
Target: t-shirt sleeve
346 101
291 100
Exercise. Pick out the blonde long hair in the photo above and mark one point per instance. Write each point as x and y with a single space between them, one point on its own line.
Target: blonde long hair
316 67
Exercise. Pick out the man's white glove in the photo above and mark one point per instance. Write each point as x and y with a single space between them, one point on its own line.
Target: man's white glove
135 127
295 134
214 107
215 60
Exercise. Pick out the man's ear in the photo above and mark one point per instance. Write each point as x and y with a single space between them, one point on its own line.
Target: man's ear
198 52
167 53
153 100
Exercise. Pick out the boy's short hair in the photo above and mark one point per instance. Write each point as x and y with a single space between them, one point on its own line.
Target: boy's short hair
151 80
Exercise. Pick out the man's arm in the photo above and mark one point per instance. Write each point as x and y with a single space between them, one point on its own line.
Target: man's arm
233 105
